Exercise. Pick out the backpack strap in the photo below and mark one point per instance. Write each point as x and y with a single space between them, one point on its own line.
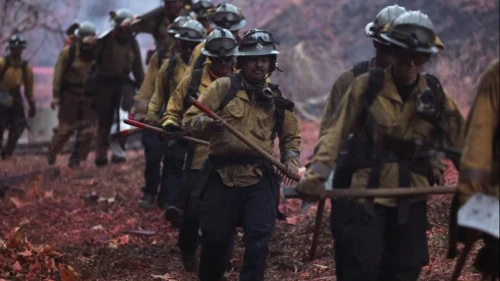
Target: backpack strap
156 30
199 62
233 90
72 54
375 84
5 68
161 54
195 82
360 68
172 63
24 67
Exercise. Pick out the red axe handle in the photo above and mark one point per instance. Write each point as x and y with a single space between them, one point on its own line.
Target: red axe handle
240 136
160 131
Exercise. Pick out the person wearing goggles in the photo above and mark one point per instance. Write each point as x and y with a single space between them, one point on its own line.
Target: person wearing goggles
15 72
220 48
383 59
201 9
385 238
168 77
241 188
219 19
75 109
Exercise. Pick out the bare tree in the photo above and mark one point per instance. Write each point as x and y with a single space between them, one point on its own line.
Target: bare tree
44 20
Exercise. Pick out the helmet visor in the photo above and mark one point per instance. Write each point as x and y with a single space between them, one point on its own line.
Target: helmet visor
202 5
189 33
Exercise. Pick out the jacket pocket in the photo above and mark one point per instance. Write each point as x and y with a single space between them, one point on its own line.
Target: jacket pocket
263 125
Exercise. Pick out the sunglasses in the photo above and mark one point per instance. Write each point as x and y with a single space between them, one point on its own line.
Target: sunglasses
409 57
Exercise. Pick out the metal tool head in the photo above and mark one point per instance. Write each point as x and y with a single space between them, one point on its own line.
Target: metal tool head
117 144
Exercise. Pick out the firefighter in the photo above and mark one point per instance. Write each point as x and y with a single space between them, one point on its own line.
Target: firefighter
76 111
242 187
225 16
220 48
201 9
383 58
479 168
169 76
14 73
117 55
389 112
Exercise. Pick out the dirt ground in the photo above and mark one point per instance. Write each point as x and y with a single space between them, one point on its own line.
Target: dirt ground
91 227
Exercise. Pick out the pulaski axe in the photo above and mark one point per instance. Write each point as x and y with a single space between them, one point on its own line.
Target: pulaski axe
117 141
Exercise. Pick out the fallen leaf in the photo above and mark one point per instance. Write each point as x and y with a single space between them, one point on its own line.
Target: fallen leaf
321 266
2 245
17 267
67 273
97 227
17 203
292 220
25 222
15 238
49 194
123 240
26 253
131 221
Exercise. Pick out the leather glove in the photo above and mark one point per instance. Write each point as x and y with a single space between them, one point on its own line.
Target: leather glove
32 110
312 185
215 126
171 126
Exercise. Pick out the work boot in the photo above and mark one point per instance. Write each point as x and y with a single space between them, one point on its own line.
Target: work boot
101 162
173 214
147 201
189 261
51 158
117 159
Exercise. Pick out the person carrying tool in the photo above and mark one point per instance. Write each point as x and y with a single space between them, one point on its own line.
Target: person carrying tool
14 73
76 111
169 76
117 54
225 16
201 8
479 168
141 100
220 48
383 59
239 186
390 113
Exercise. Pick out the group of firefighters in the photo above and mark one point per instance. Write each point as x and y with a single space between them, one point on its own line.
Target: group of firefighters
382 121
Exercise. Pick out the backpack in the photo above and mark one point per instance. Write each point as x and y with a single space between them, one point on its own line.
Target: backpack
72 54
360 68
8 63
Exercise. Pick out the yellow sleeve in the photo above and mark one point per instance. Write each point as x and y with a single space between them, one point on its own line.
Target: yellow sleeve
343 121
192 60
290 139
482 123
29 84
158 99
195 120
61 65
175 105
336 94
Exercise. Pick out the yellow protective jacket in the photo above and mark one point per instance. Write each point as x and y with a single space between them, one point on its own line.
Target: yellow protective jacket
395 119
164 86
13 78
194 57
480 158
117 60
70 78
176 111
148 85
337 92
253 121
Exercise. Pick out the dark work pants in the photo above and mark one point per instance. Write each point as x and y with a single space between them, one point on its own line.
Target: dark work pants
189 238
170 178
380 249
337 221
222 210
12 119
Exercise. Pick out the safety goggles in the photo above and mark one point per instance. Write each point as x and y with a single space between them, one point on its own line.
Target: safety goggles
409 57
226 44
226 16
201 5
253 37
414 37
189 33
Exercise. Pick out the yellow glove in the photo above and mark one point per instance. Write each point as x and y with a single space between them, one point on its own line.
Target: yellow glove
312 184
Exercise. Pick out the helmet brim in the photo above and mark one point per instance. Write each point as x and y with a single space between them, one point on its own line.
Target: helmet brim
178 36
428 50
213 55
256 53
368 31
235 27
